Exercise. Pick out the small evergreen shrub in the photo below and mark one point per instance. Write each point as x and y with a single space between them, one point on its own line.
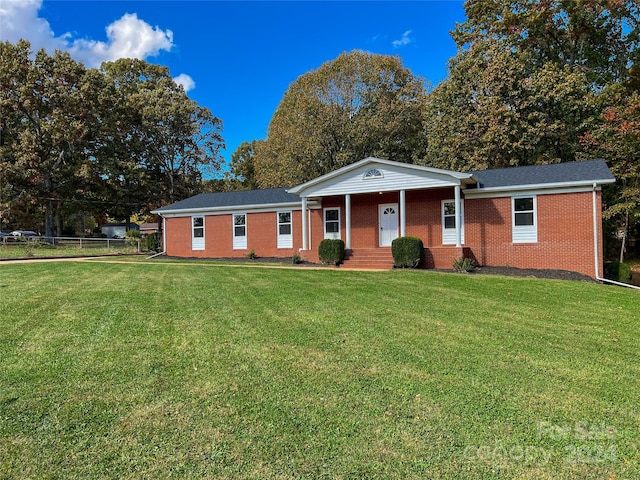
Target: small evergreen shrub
331 251
252 255
464 265
408 252
617 271
296 259
153 242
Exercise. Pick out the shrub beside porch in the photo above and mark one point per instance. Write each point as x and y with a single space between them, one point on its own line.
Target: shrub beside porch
440 257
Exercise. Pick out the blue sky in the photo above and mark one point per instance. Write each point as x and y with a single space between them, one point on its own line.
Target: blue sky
238 58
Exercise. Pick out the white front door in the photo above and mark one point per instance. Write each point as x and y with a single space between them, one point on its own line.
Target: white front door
388 221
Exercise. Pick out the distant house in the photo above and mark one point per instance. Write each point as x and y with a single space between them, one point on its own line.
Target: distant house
544 217
117 230
148 228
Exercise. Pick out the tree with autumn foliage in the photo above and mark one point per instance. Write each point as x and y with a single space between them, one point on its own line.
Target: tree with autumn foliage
522 88
495 110
47 110
616 138
598 36
360 104
118 140
155 142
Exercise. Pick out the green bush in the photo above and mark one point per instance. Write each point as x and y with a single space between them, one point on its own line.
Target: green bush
331 251
133 237
408 252
153 242
618 272
296 259
464 265
252 255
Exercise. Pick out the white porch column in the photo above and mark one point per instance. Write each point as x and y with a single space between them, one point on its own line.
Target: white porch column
310 230
347 221
403 214
458 217
304 224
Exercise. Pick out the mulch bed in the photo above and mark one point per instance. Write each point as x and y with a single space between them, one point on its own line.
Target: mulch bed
531 272
508 271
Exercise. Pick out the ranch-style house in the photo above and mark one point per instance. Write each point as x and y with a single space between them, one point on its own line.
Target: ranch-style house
542 217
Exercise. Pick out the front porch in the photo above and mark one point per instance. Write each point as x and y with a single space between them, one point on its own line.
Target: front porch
370 203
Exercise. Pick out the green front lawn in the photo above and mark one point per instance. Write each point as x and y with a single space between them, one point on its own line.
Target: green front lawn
35 249
204 371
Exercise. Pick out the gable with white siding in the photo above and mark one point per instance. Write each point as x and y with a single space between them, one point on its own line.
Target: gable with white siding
377 175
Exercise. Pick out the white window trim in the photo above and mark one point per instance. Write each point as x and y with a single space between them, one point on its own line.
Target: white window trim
524 233
331 235
449 234
239 241
198 243
285 240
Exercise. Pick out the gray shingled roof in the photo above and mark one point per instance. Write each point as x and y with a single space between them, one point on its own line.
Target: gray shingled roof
586 171
580 172
242 198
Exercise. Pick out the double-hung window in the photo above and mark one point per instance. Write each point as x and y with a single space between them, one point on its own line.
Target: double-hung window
332 223
197 233
524 225
449 222
239 231
285 238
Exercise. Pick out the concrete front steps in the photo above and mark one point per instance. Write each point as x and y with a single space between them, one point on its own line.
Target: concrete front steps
369 258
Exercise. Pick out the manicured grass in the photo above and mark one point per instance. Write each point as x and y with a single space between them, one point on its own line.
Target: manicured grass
204 371
13 250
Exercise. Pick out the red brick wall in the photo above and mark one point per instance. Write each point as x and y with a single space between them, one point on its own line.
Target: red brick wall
565 230
565 233
261 236
424 215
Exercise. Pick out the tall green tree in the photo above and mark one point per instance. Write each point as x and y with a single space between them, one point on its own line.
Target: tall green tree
46 133
156 142
520 90
495 110
183 141
598 36
14 70
118 140
242 167
359 104
121 150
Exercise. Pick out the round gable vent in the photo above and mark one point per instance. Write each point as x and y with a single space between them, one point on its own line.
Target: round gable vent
373 173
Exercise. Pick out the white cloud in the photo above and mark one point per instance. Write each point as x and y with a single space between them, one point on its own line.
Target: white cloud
404 41
128 37
19 19
186 81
